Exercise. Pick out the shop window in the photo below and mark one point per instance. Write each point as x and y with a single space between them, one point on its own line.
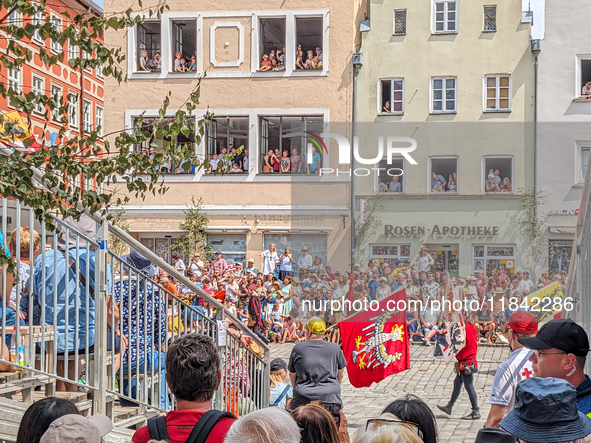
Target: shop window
288 142
225 136
388 254
444 175
148 47
498 92
444 95
559 256
498 175
184 46
390 177
272 44
391 96
159 246
317 245
232 246
486 258
445 257
309 41
400 22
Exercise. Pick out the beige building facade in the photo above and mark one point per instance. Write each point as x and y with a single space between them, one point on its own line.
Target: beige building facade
284 108
457 76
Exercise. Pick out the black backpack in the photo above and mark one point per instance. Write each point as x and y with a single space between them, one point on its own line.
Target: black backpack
199 434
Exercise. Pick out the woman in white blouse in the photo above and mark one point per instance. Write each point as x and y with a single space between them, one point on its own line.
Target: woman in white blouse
270 259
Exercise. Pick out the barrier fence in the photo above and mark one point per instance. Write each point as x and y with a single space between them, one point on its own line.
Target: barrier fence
80 299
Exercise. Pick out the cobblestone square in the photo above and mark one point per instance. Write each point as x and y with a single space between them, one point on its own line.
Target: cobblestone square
432 381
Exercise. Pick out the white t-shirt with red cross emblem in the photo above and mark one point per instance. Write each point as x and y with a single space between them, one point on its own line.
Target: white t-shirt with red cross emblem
510 373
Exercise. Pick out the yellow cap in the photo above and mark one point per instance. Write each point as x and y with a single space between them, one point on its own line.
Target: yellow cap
317 326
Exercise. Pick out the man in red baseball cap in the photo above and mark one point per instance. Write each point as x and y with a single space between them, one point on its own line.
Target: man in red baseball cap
514 370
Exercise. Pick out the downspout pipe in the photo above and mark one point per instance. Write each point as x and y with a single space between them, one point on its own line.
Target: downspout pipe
357 63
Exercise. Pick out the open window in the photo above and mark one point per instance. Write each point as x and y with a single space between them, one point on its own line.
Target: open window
272 44
225 135
444 175
583 150
286 143
584 84
498 175
391 96
309 41
390 177
148 47
184 46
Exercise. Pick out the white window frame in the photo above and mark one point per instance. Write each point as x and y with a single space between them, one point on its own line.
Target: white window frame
15 19
57 91
87 56
485 174
291 28
99 71
486 257
580 146
38 20
15 79
484 18
444 157
73 51
39 109
98 119
380 90
57 23
390 257
87 116
443 92
405 22
497 93
73 106
446 21
402 182
578 74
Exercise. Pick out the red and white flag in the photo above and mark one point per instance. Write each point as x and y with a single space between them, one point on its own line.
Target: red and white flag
451 322
375 341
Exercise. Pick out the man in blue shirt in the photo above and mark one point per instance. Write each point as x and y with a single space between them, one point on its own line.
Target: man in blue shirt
400 282
374 284
313 167
435 178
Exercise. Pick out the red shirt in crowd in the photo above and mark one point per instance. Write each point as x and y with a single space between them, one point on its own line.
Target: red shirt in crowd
179 425
471 348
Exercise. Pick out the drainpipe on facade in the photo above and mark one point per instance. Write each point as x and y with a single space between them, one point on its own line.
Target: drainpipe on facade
536 49
357 63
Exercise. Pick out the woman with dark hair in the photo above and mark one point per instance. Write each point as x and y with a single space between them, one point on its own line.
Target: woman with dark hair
318 425
40 415
412 409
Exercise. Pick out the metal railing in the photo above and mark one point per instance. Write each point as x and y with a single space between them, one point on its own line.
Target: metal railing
80 299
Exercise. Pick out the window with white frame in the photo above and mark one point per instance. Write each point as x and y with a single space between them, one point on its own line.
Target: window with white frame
498 92
309 40
98 120
390 176
99 71
38 87
87 56
391 96
15 81
15 19
73 109
38 20
272 44
584 78
224 134
233 246
444 94
498 175
444 174
57 24
399 22
489 257
73 51
184 46
287 141
445 16
87 116
148 46
583 150
490 18
389 253
56 93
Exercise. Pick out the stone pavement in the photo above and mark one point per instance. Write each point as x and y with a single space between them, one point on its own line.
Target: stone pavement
432 381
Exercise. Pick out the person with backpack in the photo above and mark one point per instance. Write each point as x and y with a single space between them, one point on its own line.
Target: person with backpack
281 392
193 375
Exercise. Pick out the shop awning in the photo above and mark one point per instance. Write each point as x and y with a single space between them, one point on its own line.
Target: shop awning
562 229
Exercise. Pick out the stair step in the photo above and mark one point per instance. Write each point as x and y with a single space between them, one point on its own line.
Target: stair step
24 383
135 419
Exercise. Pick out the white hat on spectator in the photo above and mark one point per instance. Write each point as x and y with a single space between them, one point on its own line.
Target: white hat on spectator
251 260
74 428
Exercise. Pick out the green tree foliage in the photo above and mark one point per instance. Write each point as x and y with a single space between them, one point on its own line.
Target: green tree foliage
194 235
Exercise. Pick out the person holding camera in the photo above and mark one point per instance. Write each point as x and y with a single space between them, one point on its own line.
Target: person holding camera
465 367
